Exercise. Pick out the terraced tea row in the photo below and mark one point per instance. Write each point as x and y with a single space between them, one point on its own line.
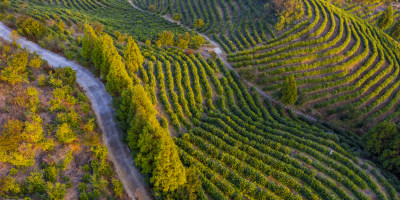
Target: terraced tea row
129 20
235 25
243 149
344 67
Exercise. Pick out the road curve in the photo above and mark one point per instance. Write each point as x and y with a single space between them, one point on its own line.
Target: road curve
102 105
222 56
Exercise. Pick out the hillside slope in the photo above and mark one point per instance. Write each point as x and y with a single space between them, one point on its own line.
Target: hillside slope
241 146
51 146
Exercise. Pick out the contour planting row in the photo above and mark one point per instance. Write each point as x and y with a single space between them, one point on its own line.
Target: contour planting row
344 63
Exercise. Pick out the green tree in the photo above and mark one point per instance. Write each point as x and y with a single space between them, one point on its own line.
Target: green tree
132 56
157 153
33 130
289 91
152 8
103 53
199 23
386 19
4 4
117 78
176 17
88 42
166 38
35 183
118 188
31 28
65 134
395 32
169 173
56 191
189 190
50 173
383 141
196 41
15 72
9 185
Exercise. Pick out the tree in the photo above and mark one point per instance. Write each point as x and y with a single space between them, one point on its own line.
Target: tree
88 42
157 154
176 17
33 131
199 23
4 4
182 40
196 41
9 185
287 11
152 8
98 28
148 43
31 28
15 72
191 187
166 38
289 91
118 188
169 173
132 56
386 19
395 32
103 53
50 173
36 62
35 183
65 134
56 191
14 36
383 142
117 78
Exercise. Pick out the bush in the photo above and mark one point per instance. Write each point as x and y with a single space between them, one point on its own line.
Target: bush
50 173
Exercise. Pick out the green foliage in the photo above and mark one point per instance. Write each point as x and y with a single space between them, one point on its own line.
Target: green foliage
166 38
383 142
386 18
196 41
65 134
395 31
132 56
289 91
117 78
55 191
118 188
35 62
199 23
35 183
16 72
31 28
88 42
287 11
9 185
51 173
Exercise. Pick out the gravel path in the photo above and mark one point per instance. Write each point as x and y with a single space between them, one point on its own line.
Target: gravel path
222 55
102 105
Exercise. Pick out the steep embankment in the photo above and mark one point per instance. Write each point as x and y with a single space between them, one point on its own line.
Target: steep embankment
102 106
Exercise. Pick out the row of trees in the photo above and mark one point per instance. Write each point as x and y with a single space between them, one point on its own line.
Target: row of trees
155 151
183 41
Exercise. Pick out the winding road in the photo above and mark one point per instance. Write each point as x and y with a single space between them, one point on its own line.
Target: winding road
102 105
222 56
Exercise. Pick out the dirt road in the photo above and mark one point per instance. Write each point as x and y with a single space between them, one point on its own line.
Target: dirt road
102 105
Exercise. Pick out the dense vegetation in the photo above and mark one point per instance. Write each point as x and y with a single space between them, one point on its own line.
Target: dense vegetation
228 142
242 149
50 146
235 24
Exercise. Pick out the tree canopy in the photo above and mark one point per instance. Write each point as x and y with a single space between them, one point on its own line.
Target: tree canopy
289 91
